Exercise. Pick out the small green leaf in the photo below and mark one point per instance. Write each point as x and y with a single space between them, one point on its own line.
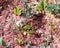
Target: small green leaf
27 27
17 11
30 31
42 5
19 41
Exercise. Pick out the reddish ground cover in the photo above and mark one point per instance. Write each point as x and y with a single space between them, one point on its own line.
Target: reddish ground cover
44 27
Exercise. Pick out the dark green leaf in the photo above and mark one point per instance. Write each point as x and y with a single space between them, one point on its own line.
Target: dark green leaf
2 42
53 8
27 12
